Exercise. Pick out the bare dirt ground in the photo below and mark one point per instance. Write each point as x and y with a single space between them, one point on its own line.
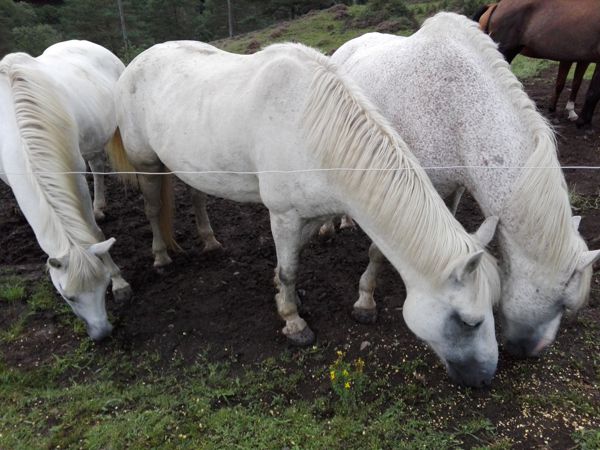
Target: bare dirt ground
224 301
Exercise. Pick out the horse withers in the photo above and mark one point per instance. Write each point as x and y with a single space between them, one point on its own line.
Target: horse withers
40 160
504 155
285 128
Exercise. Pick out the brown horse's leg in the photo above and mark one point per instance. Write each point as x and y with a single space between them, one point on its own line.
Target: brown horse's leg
561 77
591 99
510 53
579 72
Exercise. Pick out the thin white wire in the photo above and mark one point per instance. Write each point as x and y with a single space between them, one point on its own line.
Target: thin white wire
259 172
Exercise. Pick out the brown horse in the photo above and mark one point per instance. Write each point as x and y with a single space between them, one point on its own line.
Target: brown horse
561 30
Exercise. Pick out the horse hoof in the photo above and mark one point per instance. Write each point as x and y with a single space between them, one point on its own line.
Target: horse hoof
122 294
365 316
162 261
302 338
212 246
327 231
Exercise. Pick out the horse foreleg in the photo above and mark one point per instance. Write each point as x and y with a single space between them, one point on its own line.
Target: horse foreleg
150 185
591 99
205 231
580 69
97 165
120 288
561 78
365 309
287 229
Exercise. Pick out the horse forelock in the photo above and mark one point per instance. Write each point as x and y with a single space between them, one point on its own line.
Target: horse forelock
345 130
540 193
49 142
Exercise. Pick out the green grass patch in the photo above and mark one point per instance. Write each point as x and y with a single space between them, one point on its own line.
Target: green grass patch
12 289
524 67
588 73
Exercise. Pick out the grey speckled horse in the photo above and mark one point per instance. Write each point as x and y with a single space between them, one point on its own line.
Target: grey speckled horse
453 98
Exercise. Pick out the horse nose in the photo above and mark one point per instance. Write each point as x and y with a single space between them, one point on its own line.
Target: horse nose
99 332
471 372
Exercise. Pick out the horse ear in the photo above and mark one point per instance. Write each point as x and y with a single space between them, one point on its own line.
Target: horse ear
576 220
486 231
58 263
587 258
466 266
102 248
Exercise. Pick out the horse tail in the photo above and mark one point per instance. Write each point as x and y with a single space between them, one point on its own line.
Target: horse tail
480 12
119 161
167 209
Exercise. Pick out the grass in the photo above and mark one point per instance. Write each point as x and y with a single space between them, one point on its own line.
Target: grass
105 397
581 202
12 289
324 31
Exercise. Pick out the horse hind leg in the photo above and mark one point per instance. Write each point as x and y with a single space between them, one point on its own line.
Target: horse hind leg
577 79
205 231
365 308
561 78
591 99
287 229
152 191
97 166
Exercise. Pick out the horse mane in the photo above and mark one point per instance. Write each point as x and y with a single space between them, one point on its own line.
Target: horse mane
345 130
541 193
50 145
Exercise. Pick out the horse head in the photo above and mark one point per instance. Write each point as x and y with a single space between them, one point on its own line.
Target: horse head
455 316
81 278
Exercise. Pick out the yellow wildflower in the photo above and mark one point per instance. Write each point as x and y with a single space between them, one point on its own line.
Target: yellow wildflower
360 365
347 385
332 375
345 373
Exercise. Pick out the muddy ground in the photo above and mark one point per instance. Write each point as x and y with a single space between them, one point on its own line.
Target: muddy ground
224 301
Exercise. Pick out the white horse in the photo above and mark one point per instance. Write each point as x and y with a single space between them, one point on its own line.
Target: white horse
456 103
88 68
261 124
41 124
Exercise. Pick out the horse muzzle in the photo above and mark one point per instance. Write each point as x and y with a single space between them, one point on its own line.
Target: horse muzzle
98 332
471 373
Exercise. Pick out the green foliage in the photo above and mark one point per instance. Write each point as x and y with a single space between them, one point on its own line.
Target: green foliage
34 39
587 439
348 380
12 289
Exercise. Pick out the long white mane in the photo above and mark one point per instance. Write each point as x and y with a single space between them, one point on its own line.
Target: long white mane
50 144
541 193
345 130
